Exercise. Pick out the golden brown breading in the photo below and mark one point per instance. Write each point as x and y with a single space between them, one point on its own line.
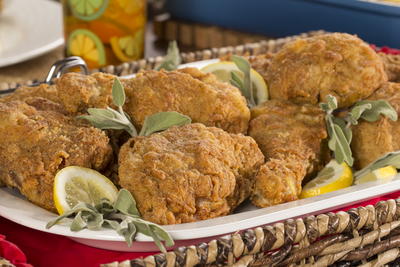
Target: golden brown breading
76 92
392 66
189 173
342 65
189 91
36 141
44 90
261 63
291 138
372 140
198 95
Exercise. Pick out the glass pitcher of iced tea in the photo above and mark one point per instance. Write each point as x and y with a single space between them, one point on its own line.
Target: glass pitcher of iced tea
104 32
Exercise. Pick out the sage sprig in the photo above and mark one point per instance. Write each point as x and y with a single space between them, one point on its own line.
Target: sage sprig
244 85
109 118
339 130
391 158
117 119
172 60
162 121
122 216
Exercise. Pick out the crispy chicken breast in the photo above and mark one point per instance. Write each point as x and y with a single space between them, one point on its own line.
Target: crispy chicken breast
191 92
292 139
189 173
37 140
339 64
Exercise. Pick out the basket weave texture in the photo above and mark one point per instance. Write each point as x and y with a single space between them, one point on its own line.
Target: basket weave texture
365 236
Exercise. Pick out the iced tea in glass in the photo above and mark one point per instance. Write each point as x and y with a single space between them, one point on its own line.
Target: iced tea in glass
105 32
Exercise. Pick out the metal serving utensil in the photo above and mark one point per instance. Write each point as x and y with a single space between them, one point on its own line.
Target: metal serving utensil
56 70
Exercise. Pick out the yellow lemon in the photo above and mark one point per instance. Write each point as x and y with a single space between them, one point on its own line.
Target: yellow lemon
333 177
222 70
384 174
128 48
88 9
73 185
87 45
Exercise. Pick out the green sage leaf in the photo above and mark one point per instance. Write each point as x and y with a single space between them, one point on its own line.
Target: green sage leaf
78 223
345 128
378 107
324 106
331 102
121 216
245 67
162 121
125 203
172 60
356 112
102 113
118 93
342 147
237 82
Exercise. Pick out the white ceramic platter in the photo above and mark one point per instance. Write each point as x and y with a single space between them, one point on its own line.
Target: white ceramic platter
15 208
29 28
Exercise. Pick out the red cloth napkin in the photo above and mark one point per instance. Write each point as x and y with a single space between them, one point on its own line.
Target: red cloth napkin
43 249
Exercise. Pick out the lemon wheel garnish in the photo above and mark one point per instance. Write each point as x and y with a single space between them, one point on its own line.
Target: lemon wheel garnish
222 70
333 177
384 174
74 184
87 45
88 9
129 47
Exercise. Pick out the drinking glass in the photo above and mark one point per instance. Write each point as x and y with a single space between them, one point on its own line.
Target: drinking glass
104 32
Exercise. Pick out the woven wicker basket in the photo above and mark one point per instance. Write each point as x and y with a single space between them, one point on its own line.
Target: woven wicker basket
366 236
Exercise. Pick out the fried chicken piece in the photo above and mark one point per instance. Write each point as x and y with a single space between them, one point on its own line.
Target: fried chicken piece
372 140
342 65
191 92
292 139
261 63
76 92
49 92
392 66
36 141
189 173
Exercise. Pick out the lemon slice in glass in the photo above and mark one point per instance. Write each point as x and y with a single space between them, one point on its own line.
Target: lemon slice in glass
74 184
87 45
333 177
222 70
88 9
128 48
384 174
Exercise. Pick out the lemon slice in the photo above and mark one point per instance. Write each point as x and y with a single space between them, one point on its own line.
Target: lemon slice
222 70
384 174
87 45
74 184
333 177
129 47
88 9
